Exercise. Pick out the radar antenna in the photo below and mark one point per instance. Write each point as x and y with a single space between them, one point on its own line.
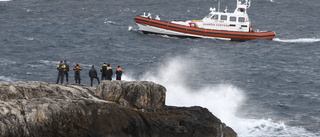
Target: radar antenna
243 5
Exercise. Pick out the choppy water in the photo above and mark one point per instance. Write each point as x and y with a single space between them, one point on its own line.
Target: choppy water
259 87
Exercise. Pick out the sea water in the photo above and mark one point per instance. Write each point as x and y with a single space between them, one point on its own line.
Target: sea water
257 87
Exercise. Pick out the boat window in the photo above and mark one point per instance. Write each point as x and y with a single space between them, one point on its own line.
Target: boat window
241 19
215 17
233 19
209 15
241 9
223 17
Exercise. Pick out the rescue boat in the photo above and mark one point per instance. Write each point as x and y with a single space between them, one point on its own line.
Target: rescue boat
217 25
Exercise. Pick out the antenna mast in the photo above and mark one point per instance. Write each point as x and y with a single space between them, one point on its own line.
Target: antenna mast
219 6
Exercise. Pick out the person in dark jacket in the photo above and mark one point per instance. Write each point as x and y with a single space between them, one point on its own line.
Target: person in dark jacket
103 71
61 68
77 70
109 72
67 70
93 74
118 73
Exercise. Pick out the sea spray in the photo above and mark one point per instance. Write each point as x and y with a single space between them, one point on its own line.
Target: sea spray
223 100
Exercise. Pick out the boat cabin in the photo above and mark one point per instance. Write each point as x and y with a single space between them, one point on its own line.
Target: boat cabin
216 20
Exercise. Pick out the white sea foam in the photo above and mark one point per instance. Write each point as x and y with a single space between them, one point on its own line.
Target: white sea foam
267 127
109 22
223 100
7 79
126 9
106 21
29 38
49 63
56 63
85 65
299 40
130 28
5 0
4 61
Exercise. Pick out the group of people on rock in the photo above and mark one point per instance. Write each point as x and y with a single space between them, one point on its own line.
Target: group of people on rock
106 72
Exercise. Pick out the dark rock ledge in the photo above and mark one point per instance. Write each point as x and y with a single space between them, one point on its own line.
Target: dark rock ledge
114 108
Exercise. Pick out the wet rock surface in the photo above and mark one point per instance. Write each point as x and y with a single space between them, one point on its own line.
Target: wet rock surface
114 108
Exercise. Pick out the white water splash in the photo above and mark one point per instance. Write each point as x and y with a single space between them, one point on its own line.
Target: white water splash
223 100
225 96
299 40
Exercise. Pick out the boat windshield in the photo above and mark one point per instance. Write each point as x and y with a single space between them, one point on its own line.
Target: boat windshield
209 15
215 17
242 1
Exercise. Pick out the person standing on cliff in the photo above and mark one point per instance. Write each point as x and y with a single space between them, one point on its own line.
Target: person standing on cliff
61 68
118 73
103 71
109 72
67 70
93 74
77 70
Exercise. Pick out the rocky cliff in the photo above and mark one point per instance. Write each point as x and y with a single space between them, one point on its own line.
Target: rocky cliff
114 108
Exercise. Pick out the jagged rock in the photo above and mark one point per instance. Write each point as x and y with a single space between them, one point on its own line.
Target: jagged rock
137 94
35 89
43 109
